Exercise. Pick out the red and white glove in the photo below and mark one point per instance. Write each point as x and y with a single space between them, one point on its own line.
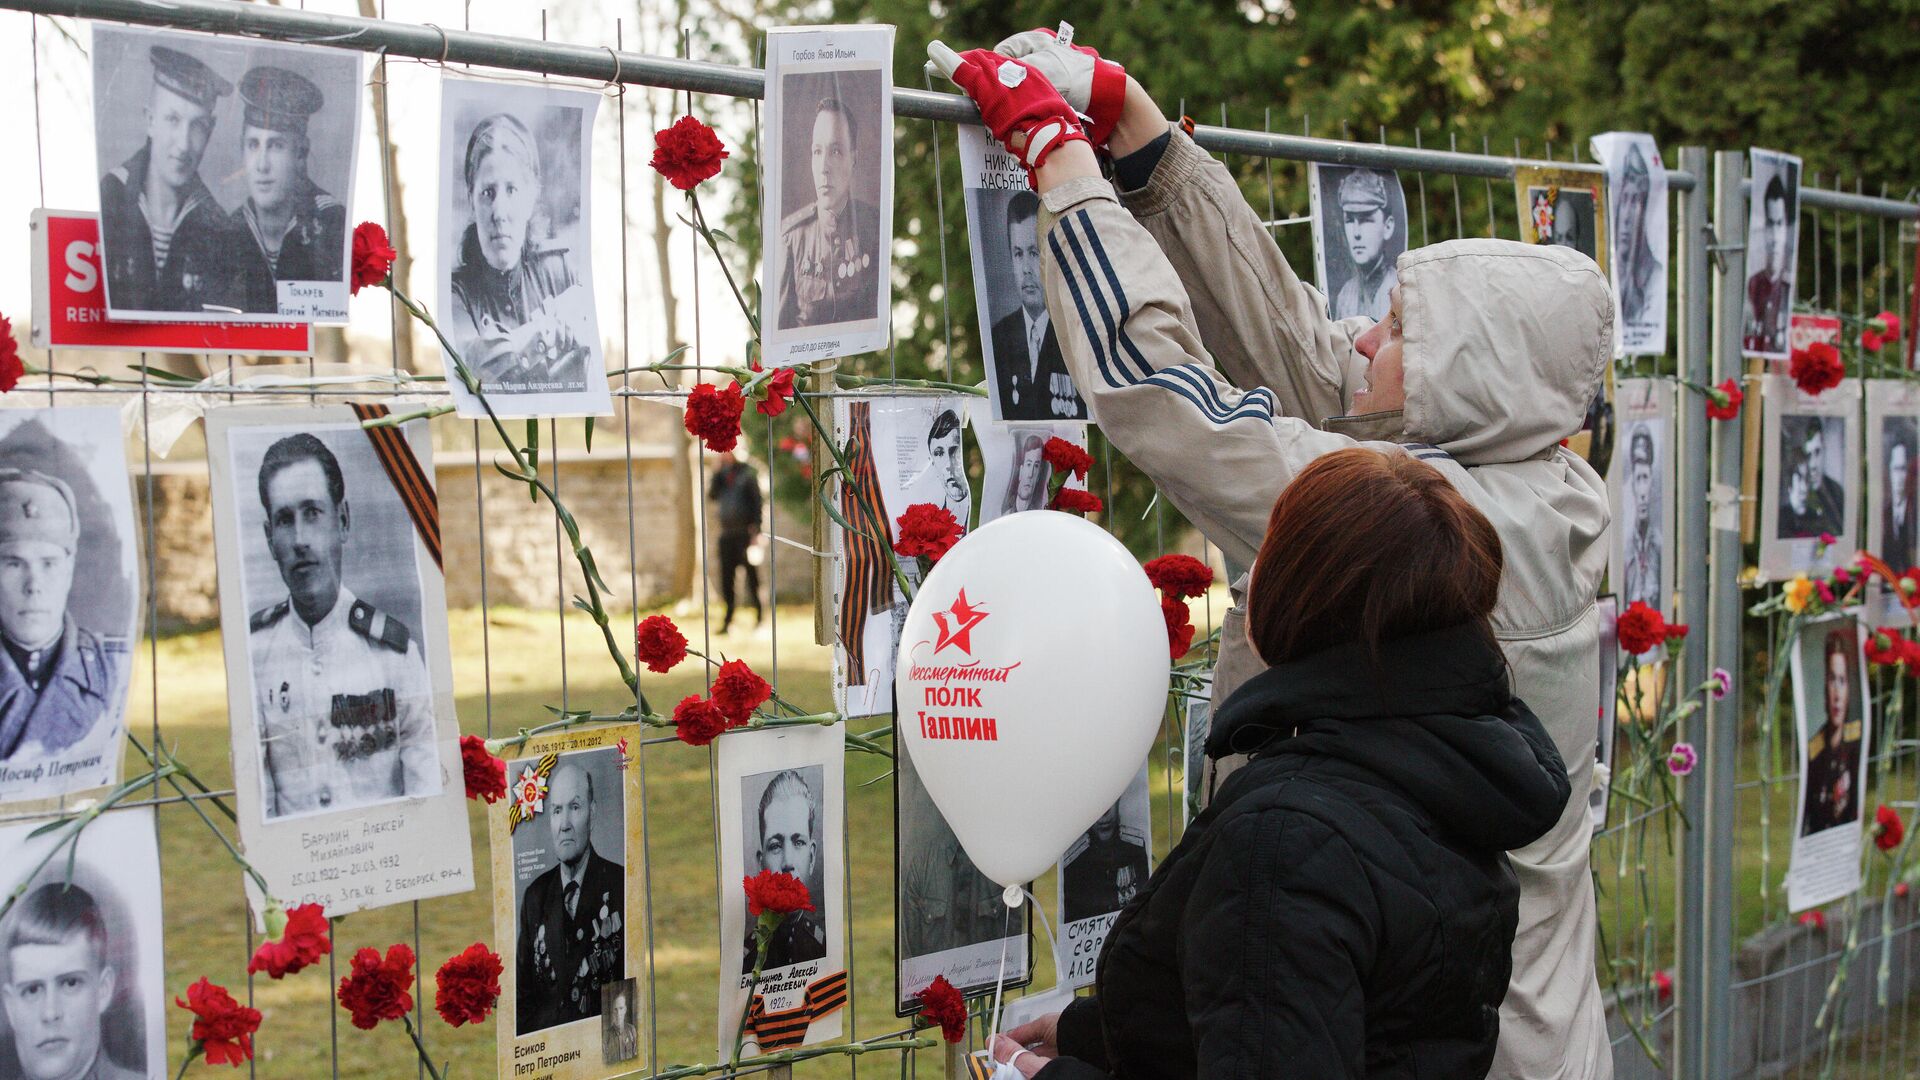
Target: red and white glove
1018 103
1095 87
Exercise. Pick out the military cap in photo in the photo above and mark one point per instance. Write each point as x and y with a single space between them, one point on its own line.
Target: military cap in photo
1362 189
279 100
187 77
35 506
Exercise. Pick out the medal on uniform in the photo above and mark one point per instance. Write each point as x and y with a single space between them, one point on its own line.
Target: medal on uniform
286 697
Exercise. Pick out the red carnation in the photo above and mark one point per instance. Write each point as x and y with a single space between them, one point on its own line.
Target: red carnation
1640 628
1888 830
659 644
11 366
1723 401
1676 631
1179 575
486 774
372 255
1910 656
697 722
377 988
1890 325
941 1004
1065 457
780 893
775 392
1886 646
926 530
687 153
713 415
1816 919
1663 985
467 986
737 691
222 1027
1076 501
1179 626
307 937
1816 368
1871 340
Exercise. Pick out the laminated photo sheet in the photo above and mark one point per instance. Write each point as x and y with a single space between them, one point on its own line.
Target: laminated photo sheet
333 619
1810 478
66 504
1016 476
1833 729
569 896
1027 378
1637 241
828 214
1100 874
782 809
1640 480
1893 439
904 449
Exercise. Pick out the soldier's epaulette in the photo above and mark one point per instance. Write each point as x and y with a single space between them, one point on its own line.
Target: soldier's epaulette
324 201
1818 746
389 632
798 217
266 617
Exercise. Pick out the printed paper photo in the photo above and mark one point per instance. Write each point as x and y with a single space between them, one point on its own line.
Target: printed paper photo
784 818
1893 441
516 227
333 614
1773 251
1017 476
1830 694
1608 608
1637 192
226 175
828 214
1808 488
1026 377
1100 874
1641 480
83 989
1359 233
1564 207
69 599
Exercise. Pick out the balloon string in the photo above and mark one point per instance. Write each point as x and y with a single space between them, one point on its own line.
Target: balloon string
1000 981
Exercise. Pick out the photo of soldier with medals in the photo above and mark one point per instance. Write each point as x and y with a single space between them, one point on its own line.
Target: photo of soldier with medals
830 248
1832 725
572 916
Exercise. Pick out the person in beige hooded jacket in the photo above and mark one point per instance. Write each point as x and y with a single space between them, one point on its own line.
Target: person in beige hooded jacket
1218 372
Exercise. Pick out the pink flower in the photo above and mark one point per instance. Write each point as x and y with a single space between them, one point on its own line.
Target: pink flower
1682 759
1722 683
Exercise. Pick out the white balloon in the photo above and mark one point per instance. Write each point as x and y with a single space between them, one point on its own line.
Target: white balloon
1031 682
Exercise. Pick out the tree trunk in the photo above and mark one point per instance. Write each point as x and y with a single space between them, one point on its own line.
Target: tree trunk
396 211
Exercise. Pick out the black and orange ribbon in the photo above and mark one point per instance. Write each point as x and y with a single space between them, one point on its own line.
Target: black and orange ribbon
787 1028
409 479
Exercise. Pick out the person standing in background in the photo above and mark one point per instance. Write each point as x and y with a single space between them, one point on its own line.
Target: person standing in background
735 491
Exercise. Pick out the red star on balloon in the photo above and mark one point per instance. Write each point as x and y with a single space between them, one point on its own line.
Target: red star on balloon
964 618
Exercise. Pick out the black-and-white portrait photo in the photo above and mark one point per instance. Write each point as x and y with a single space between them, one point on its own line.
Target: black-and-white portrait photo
1811 480
1359 232
1899 540
952 920
69 599
1645 537
342 701
570 890
831 254
828 214
1024 477
1026 377
516 284
1773 249
783 835
227 169
1106 868
1637 212
81 982
619 1026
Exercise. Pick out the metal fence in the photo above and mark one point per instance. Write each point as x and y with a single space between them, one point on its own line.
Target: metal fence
1692 909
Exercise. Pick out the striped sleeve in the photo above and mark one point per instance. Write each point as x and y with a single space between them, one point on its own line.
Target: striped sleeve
1126 328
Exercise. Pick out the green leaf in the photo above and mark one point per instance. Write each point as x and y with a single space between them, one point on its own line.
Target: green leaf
163 375
718 235
589 434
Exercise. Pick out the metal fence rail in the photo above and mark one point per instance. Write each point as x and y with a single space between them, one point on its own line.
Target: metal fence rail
1694 922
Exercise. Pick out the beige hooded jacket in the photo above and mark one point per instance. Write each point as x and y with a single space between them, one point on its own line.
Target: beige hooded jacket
1211 366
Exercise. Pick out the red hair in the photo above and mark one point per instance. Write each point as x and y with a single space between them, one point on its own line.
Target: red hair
1364 547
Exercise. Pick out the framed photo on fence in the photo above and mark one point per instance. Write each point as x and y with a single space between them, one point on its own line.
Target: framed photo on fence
346 759
782 807
515 286
1810 478
226 175
828 212
1563 207
70 601
567 848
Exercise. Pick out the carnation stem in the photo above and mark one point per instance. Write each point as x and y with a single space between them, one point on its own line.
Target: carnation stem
421 1048
762 938
194 1049
73 826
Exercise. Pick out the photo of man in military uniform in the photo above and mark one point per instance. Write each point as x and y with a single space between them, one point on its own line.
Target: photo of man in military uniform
1771 249
1369 210
166 243
1644 542
572 928
297 231
789 843
342 697
59 987
1105 869
58 679
831 258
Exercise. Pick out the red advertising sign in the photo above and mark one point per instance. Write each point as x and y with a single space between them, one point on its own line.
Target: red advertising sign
70 304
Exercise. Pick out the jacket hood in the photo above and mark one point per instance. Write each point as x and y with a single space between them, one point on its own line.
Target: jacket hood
1503 347
1435 719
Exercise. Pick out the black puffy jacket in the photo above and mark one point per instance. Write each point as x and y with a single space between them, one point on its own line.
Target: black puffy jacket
1343 907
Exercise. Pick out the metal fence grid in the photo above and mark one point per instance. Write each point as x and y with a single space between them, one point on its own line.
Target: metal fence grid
1688 908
